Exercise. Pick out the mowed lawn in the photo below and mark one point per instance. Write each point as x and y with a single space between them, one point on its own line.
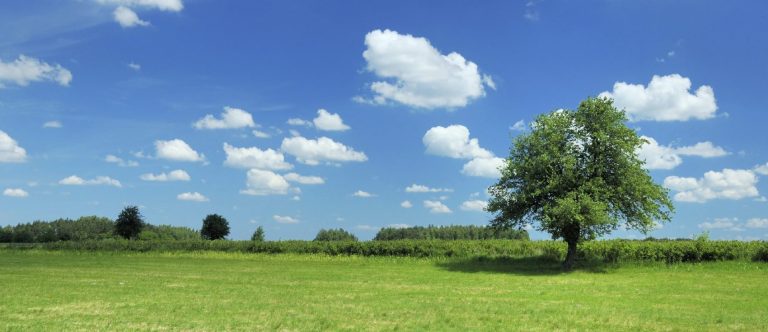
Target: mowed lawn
227 291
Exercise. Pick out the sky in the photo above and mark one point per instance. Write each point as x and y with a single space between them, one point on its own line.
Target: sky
302 115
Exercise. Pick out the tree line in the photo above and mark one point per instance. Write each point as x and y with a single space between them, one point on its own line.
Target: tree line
453 232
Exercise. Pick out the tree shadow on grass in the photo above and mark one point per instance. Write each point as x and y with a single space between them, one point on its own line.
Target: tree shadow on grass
528 266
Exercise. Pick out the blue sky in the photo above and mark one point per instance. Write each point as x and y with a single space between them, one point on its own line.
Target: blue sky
305 115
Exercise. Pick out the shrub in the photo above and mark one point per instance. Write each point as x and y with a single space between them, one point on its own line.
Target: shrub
454 232
129 223
335 235
215 227
258 235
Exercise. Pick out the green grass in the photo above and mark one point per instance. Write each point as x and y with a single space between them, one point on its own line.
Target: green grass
66 290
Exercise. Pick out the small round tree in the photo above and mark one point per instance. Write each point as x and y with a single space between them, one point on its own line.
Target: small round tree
335 235
215 227
129 223
258 235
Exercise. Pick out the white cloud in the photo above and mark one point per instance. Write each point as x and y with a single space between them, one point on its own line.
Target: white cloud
329 121
417 188
120 162
474 205
177 150
127 18
15 192
729 184
254 157
175 175
436 207
134 66
231 118
518 126
74 180
762 169
398 226
299 122
454 142
667 157
367 228
192 196
26 69
314 151
757 223
406 204
418 75
667 98
260 134
293 177
531 13
10 151
163 5
262 183
285 219
722 223
484 167
52 124
363 194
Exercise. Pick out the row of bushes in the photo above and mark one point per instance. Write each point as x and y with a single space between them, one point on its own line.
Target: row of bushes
87 228
609 250
453 232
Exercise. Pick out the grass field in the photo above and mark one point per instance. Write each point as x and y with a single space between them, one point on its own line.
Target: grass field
61 290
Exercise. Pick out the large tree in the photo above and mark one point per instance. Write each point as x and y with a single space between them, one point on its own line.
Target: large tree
576 175
215 227
129 223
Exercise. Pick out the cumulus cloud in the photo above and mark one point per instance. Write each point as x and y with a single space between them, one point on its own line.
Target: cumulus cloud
406 204
52 124
15 192
175 175
134 66
454 142
10 151
254 157
417 188
74 180
231 118
120 162
329 121
474 205
757 223
323 149
260 134
436 207
363 194
262 183
484 167
416 74
367 228
127 18
760 169
299 122
728 184
722 223
163 5
666 98
26 69
192 197
285 219
177 150
658 156
518 126
294 177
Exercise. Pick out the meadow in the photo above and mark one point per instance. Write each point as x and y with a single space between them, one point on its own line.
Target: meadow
211 290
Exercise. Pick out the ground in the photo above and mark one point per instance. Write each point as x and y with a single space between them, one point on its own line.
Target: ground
45 290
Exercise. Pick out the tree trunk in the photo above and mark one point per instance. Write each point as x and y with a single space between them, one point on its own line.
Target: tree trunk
570 258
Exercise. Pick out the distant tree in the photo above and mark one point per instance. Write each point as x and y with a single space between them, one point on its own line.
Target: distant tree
129 223
335 235
577 174
258 235
215 227
453 232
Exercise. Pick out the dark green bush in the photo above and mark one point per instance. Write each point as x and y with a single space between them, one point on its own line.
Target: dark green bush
129 223
215 227
258 234
335 235
454 232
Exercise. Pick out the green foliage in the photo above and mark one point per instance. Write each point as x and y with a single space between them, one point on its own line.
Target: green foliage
168 232
129 223
258 234
215 227
577 175
453 232
335 235
84 228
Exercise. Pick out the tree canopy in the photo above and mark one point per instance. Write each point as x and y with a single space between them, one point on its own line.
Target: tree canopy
215 227
129 223
576 175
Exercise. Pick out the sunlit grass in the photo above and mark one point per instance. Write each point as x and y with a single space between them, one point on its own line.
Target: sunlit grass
43 290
